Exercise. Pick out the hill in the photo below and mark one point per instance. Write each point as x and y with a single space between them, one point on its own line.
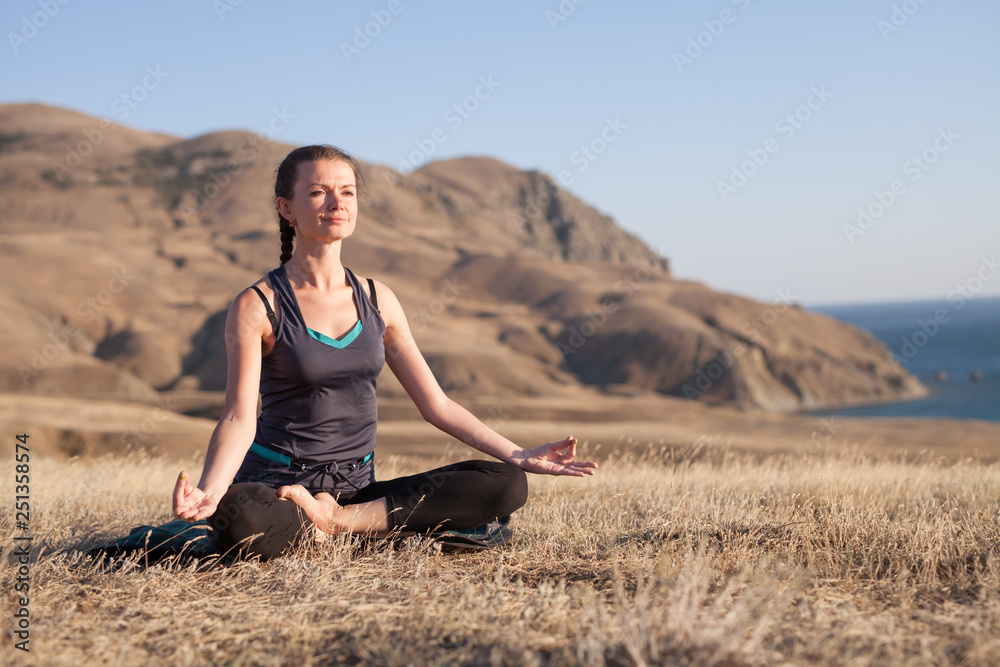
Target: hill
127 248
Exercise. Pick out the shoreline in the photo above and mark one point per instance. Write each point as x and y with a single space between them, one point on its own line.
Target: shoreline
940 398
953 355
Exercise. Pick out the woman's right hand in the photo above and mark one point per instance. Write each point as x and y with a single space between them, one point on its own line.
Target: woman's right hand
190 502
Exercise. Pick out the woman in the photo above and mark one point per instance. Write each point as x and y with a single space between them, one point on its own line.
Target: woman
307 460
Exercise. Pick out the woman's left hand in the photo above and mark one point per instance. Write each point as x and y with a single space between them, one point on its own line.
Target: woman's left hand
555 458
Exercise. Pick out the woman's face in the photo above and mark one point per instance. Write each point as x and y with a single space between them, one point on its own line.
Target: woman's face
325 201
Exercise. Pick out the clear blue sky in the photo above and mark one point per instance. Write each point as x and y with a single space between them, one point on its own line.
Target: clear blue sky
923 81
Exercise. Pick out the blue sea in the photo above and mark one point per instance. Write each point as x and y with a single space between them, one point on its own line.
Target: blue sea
934 339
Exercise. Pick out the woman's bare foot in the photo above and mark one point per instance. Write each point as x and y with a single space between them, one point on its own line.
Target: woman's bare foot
332 518
321 509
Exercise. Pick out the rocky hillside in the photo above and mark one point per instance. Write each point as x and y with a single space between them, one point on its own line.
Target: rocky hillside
126 249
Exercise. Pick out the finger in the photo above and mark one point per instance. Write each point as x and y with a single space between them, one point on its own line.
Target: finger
553 468
190 512
566 456
191 502
179 493
577 469
556 446
571 454
204 510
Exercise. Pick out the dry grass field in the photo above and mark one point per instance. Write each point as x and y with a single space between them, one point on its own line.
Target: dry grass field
697 557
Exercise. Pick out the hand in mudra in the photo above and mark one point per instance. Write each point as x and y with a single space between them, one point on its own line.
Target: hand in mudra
555 458
190 502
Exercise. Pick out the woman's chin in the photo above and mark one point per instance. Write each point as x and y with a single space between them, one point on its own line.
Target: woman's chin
329 235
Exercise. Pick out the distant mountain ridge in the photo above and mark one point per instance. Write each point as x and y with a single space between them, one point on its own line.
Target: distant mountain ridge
127 261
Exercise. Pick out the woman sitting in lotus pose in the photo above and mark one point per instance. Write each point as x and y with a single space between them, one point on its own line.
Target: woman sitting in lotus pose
306 463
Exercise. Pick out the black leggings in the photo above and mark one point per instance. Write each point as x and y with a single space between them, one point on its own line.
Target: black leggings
461 495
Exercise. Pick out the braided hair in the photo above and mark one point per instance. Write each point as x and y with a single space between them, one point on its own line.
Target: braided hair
286 176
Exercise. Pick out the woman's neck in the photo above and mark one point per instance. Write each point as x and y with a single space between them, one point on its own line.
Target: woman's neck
317 266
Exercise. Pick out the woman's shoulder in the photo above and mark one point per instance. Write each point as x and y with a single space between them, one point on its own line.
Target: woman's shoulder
252 292
253 303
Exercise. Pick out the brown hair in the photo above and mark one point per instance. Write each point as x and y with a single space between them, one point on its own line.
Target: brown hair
287 174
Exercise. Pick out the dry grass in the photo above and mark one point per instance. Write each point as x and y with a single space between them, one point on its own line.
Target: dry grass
715 559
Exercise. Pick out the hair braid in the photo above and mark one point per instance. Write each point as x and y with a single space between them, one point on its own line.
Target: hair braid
287 234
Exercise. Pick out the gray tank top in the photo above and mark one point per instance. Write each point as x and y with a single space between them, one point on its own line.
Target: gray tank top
317 422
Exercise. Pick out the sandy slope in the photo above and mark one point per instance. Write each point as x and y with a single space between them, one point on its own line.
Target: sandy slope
126 264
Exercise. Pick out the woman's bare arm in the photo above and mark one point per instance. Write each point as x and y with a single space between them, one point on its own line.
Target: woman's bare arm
246 324
409 366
